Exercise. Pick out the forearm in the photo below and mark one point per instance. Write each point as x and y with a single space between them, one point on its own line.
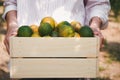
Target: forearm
12 27
11 19
95 25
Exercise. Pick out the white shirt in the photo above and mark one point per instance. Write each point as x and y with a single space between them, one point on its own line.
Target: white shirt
32 11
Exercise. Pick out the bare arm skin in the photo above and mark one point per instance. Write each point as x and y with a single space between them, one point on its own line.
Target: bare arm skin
11 19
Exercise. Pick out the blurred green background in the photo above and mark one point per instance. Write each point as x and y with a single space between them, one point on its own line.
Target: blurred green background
115 6
109 56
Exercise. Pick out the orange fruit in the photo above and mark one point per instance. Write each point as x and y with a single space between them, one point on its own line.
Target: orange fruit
49 20
77 35
76 25
35 34
34 28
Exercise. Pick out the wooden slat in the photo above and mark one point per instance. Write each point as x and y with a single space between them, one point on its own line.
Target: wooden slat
53 47
53 68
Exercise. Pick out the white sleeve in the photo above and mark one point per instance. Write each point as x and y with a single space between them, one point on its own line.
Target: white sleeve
9 5
99 8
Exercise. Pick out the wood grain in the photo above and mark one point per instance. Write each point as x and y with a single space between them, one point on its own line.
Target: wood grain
53 68
53 47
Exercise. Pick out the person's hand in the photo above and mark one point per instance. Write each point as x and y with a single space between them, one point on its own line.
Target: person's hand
95 26
98 33
4 58
12 27
12 31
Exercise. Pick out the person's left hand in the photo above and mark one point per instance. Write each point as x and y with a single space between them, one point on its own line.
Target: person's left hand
98 33
95 25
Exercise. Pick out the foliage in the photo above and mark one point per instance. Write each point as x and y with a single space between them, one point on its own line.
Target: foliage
101 68
1 2
1 20
115 6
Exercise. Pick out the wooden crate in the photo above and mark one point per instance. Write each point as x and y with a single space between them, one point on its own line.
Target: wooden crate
54 57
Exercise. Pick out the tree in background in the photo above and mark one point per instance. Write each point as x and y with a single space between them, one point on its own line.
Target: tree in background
115 6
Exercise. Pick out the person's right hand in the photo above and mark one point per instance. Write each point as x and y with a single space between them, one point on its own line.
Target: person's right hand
12 31
12 27
4 58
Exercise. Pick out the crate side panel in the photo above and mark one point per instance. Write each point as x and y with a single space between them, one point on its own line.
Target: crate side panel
54 47
53 68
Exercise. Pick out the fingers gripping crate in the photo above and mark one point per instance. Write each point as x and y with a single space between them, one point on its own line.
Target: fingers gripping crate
54 57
